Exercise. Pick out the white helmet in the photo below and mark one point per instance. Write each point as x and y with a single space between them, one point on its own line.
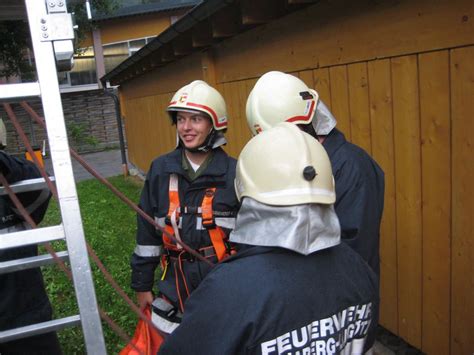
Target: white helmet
285 166
200 96
279 97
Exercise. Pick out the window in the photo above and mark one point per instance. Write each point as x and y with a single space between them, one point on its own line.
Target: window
136 45
116 53
84 71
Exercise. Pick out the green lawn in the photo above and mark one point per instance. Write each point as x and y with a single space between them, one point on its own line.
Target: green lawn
109 227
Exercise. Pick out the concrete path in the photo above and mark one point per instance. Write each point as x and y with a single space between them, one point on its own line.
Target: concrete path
107 163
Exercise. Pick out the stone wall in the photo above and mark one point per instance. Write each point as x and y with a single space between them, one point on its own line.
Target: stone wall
90 120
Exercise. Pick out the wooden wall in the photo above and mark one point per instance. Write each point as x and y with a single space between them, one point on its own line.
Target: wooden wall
140 26
134 27
399 77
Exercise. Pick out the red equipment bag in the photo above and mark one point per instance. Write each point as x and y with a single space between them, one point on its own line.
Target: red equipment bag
145 341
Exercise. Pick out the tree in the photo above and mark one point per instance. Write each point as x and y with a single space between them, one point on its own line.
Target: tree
99 7
14 41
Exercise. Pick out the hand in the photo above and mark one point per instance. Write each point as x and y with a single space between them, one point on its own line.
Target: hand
145 299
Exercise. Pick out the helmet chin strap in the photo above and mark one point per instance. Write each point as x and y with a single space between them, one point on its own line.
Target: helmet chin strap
205 146
309 128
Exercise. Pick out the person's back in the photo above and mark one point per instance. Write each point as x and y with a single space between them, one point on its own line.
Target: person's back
285 305
279 97
292 288
360 196
23 298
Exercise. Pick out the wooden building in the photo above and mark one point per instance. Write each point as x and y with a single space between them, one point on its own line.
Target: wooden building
118 35
399 77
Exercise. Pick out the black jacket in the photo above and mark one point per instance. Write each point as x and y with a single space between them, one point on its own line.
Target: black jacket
359 196
154 200
23 299
275 301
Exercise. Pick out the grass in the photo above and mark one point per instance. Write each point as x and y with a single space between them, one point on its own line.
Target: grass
109 227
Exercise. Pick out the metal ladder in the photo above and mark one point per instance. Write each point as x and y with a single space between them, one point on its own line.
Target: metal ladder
52 33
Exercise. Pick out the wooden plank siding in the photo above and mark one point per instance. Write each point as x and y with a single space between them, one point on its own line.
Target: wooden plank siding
321 85
238 133
381 119
340 98
165 80
148 127
406 124
462 224
436 191
358 87
129 28
307 77
400 82
119 30
342 32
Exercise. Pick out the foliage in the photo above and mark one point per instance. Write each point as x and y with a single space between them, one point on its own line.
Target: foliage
109 227
14 39
77 133
84 26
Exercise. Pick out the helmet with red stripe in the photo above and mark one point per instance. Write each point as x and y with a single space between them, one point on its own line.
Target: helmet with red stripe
280 97
200 96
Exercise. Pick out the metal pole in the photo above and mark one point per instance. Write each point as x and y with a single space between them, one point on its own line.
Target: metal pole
118 117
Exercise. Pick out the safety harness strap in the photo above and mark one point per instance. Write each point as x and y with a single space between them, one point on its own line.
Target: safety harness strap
173 213
216 233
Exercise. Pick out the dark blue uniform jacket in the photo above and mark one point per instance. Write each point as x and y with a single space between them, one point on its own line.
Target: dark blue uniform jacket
359 196
275 301
23 299
220 173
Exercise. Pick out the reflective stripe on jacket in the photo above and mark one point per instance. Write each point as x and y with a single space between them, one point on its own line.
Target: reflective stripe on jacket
220 173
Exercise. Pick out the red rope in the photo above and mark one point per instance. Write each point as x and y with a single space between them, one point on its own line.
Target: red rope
24 138
40 120
48 246
24 213
120 195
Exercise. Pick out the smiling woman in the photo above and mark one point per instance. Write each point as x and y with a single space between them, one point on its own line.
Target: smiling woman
193 130
190 192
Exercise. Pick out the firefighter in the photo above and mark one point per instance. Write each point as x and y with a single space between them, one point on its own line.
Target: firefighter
292 288
23 298
190 193
279 97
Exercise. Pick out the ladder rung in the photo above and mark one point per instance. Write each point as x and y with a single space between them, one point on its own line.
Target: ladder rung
19 92
31 262
31 236
27 185
39 328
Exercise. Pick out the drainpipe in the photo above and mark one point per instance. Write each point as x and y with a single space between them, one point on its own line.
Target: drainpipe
120 130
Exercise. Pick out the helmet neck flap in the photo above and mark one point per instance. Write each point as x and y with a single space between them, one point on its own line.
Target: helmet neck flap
304 228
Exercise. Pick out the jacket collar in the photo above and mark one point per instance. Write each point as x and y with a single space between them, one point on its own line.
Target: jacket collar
333 141
217 166
246 250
